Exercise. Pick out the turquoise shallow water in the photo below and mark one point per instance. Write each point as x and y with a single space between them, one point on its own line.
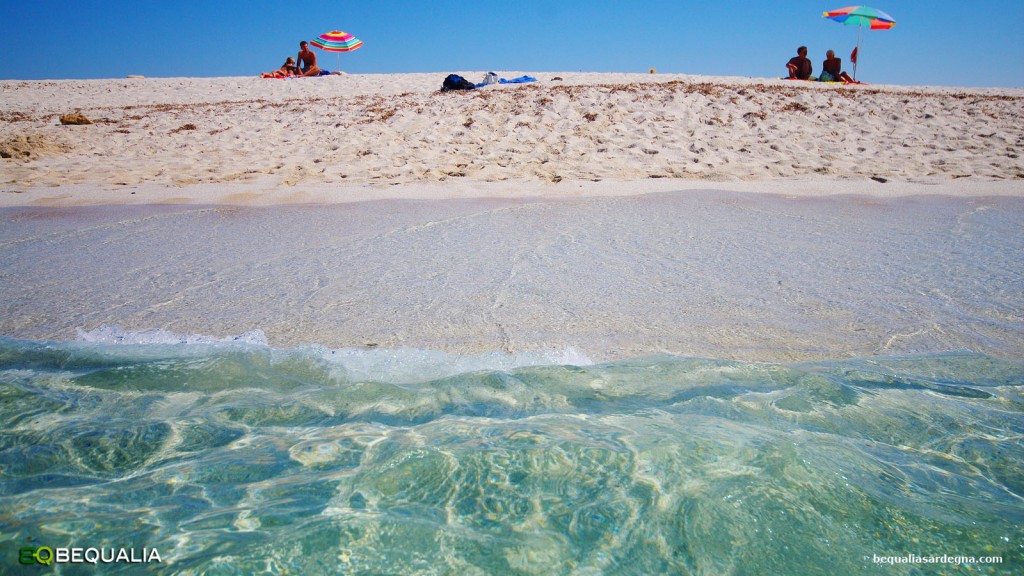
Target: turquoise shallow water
238 458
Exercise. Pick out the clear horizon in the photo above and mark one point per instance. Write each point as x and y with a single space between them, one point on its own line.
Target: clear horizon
942 43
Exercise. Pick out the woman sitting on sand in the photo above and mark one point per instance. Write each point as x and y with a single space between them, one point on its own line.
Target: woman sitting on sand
287 69
832 69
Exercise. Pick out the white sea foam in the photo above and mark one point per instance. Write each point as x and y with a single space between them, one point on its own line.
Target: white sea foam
415 365
396 366
107 334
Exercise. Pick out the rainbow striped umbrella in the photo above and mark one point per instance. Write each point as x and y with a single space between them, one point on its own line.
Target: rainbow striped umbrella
337 41
861 17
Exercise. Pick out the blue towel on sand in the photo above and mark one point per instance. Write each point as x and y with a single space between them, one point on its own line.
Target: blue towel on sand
520 80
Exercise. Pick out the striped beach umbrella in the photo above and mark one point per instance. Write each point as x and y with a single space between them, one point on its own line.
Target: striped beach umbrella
861 17
337 41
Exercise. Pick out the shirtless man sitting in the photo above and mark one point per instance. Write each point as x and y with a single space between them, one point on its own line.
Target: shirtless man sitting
799 66
832 69
307 60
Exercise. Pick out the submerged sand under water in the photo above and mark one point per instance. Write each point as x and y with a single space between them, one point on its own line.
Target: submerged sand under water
701 273
233 458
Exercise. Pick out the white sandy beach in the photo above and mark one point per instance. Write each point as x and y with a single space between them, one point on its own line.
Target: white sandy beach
342 138
613 214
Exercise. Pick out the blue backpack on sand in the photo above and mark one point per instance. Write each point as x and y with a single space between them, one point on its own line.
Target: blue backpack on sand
456 82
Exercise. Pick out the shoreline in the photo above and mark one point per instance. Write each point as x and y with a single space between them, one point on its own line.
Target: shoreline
271 194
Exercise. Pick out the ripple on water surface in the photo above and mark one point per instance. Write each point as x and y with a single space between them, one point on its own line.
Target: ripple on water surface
234 457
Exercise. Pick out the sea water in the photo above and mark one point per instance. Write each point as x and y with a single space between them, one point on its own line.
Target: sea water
229 456
464 416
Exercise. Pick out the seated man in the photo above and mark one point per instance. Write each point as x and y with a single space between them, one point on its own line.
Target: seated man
800 66
832 69
307 60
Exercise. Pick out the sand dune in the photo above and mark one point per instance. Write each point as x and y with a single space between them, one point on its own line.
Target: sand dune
386 130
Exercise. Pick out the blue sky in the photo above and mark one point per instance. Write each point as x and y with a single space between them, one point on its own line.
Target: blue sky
936 43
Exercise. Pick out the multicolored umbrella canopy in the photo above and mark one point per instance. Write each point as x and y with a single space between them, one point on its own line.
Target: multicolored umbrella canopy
337 41
861 17
864 16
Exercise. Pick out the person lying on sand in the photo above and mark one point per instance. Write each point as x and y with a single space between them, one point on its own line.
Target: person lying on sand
307 60
287 69
800 66
832 69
